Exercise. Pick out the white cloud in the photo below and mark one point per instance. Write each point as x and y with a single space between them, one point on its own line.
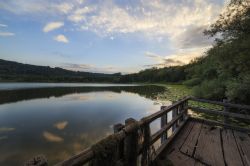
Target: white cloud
52 26
177 21
110 69
181 57
3 25
65 7
6 34
163 61
39 7
80 14
61 38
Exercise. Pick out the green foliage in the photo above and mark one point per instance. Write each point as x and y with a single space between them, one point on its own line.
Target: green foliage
239 90
210 89
224 70
173 92
192 82
167 74
18 72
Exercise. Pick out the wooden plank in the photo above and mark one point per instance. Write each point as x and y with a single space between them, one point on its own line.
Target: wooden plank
177 158
231 152
182 136
190 143
209 147
198 163
243 142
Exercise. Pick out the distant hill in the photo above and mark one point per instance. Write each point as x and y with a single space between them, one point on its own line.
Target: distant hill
14 71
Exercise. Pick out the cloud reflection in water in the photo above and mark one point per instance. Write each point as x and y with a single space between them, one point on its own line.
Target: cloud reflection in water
52 137
61 125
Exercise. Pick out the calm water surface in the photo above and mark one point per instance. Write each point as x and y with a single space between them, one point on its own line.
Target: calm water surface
61 121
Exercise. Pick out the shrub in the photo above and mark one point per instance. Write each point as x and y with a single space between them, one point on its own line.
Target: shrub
192 82
210 89
238 90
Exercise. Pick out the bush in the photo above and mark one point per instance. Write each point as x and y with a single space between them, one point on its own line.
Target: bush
210 89
192 82
238 90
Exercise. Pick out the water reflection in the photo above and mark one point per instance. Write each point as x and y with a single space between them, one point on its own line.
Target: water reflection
64 121
6 129
52 137
8 96
61 125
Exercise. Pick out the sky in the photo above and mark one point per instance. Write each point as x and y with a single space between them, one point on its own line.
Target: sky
106 36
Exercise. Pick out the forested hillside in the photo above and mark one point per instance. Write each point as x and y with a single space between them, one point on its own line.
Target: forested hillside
13 71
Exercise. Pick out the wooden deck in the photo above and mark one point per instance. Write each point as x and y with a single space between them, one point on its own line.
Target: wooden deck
202 144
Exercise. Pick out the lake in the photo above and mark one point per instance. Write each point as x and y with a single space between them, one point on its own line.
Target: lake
60 120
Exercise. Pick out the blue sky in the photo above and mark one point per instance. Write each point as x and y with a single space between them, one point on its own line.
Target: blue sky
105 36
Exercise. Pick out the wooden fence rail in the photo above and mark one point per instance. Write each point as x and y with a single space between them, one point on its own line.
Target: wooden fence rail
134 141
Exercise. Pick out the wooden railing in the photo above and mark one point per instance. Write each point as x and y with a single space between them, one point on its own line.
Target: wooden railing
133 144
228 112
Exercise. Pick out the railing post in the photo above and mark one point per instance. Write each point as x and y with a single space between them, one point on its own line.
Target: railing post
120 148
174 114
145 160
226 109
179 110
164 121
184 107
131 145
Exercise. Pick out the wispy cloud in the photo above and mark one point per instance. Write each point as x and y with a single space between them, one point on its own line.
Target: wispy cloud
80 14
162 61
52 26
77 67
7 34
3 25
110 69
61 38
65 7
39 7
181 57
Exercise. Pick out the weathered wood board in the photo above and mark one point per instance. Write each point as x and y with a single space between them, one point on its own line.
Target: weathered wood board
182 136
243 142
190 143
231 152
209 149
